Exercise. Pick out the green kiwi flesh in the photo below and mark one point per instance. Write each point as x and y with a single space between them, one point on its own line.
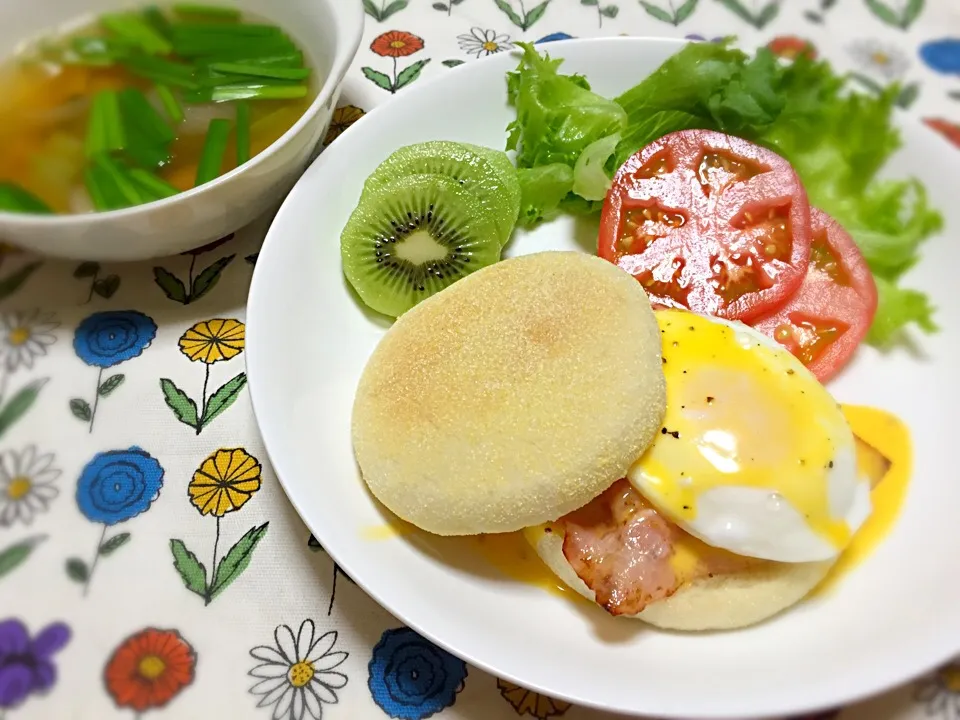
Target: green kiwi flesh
411 238
497 189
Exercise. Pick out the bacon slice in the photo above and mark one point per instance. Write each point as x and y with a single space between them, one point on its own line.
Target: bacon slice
623 549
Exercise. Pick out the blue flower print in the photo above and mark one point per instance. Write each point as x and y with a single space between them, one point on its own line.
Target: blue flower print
943 56
553 37
118 485
114 487
106 339
411 678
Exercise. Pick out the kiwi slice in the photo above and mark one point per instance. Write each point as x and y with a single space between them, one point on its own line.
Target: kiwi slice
412 237
497 189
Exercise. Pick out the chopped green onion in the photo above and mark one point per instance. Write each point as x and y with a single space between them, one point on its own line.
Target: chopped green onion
243 132
14 198
146 154
103 189
96 139
99 50
105 125
129 190
148 182
217 45
246 91
159 70
214 147
244 56
170 103
184 30
137 30
260 71
157 20
140 114
207 11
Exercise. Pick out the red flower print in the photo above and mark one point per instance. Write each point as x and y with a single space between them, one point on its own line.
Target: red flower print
396 44
951 131
791 47
149 668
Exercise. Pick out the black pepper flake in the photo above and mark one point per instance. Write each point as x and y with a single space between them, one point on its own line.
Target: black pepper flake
790 371
710 399
663 431
675 433
830 464
547 530
802 462
691 328
684 372
663 360
686 507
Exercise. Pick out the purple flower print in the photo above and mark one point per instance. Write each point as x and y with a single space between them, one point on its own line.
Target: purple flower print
26 666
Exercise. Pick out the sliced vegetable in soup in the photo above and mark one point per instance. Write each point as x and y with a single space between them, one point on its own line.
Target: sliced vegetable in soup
141 105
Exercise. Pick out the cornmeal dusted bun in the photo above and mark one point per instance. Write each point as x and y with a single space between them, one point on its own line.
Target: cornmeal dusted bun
512 397
723 602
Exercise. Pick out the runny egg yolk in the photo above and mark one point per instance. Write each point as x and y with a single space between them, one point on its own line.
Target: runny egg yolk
754 455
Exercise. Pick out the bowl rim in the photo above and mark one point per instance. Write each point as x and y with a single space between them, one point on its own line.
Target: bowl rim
348 17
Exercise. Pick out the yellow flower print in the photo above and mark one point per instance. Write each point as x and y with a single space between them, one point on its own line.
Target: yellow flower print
207 342
343 117
940 692
224 482
526 702
214 340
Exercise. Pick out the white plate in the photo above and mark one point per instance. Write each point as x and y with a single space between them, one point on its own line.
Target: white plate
896 616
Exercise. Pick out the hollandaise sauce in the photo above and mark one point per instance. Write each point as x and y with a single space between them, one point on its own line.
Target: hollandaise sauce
883 455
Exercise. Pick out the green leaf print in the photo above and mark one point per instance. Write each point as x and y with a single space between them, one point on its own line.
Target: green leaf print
170 284
524 19
236 560
80 409
383 11
410 73
177 400
223 398
452 63
13 556
111 545
86 269
110 384
190 569
610 11
209 277
378 78
17 406
394 7
758 20
77 570
674 16
107 286
371 9
903 19
12 282
658 12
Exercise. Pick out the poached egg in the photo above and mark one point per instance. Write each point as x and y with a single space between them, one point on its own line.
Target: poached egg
754 455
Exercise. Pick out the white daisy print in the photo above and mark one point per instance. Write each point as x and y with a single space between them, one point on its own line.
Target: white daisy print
479 42
941 692
25 336
297 675
887 61
26 485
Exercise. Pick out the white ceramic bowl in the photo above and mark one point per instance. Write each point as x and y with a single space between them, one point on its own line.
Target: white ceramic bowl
328 31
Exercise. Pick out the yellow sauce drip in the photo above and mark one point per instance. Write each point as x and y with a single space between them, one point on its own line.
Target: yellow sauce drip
511 556
891 437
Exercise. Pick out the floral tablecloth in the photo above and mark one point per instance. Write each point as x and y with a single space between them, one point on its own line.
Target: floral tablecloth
149 560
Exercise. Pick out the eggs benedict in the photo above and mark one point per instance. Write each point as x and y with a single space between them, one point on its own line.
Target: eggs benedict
742 503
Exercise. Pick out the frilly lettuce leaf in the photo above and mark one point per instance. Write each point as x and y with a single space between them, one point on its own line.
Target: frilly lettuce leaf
836 139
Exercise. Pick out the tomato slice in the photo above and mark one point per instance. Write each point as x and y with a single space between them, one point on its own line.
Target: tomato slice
828 317
709 222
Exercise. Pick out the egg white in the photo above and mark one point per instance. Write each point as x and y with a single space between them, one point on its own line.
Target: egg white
758 387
